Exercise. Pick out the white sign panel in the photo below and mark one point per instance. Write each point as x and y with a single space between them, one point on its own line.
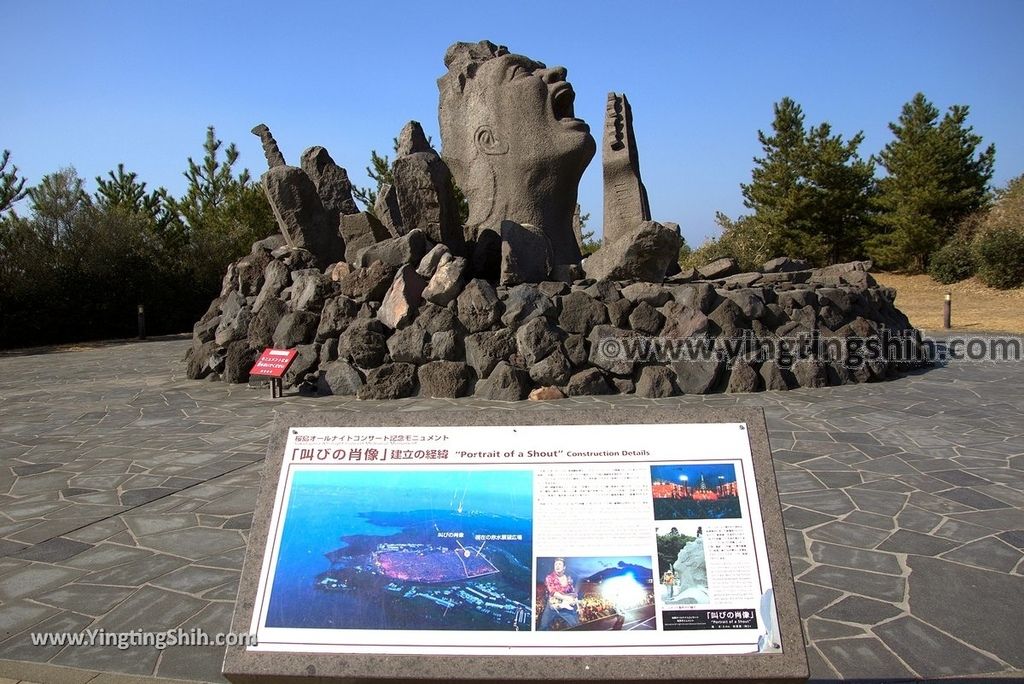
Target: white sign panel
532 540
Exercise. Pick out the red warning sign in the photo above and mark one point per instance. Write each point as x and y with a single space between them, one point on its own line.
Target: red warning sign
273 362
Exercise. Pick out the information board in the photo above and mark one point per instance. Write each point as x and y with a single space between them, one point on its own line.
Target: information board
606 541
273 362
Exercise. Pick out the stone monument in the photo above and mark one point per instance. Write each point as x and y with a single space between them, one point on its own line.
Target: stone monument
625 197
511 138
405 298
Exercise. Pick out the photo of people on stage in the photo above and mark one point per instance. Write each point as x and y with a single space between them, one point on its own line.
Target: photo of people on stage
695 492
594 593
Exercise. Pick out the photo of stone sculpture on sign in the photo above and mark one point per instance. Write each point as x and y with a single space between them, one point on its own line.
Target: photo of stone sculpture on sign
410 298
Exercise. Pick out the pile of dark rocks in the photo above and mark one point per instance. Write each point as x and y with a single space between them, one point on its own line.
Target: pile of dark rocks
408 319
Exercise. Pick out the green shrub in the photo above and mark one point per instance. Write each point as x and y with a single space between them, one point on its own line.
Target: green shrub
999 253
953 263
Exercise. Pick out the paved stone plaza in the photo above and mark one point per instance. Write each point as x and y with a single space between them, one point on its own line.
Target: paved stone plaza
126 494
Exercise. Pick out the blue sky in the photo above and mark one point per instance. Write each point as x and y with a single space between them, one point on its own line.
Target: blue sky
92 84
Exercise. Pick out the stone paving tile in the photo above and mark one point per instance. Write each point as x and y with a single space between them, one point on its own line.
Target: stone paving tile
863 658
848 533
916 543
930 653
156 476
20 646
990 553
869 584
860 610
844 556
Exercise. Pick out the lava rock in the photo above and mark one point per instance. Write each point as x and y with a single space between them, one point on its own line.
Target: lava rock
588 382
337 313
407 250
363 343
698 377
682 322
618 312
699 296
720 268
275 278
444 379
339 377
784 265
608 351
447 281
444 346
743 377
435 319
306 358
432 259
537 339
265 322
810 373
580 313
525 254
361 231
369 283
774 376
390 381
646 319
554 369
402 299
523 303
484 350
642 254
310 290
604 290
656 382
295 328
575 347
654 295
409 345
478 306
239 360
505 383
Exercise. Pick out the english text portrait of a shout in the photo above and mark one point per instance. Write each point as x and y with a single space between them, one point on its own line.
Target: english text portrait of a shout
440 550
595 593
695 492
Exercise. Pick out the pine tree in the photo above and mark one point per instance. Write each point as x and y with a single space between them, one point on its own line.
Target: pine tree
222 213
935 179
122 191
810 192
379 172
777 192
211 185
12 188
57 203
841 187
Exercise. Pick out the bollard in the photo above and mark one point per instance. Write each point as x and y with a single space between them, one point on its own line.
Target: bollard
947 311
142 322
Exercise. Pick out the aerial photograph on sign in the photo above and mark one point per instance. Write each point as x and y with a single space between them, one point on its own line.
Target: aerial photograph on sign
440 550
695 492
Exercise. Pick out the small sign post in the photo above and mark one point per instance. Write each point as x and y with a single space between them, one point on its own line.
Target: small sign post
272 364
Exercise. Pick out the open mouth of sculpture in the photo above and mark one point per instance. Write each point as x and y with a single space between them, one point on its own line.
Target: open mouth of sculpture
562 103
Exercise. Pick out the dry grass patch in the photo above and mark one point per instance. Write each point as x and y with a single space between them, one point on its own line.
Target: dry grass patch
976 307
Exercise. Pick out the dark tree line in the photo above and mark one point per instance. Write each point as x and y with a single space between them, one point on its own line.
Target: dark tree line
76 265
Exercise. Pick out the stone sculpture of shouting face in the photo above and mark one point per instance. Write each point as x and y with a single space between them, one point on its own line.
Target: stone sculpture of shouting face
511 139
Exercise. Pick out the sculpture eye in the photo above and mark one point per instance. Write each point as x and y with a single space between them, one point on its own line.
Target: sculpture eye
518 71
